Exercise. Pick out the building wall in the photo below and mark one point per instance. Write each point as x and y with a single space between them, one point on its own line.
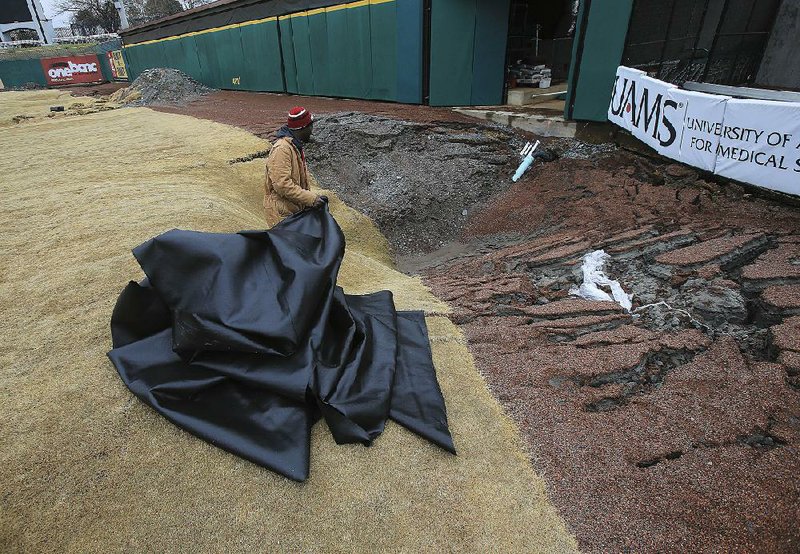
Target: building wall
780 66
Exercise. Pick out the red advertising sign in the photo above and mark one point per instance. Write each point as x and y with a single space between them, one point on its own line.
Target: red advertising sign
72 69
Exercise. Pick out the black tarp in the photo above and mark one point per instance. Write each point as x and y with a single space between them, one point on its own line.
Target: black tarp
245 340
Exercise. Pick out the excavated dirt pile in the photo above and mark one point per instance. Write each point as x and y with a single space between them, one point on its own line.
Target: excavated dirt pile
161 85
672 428
417 181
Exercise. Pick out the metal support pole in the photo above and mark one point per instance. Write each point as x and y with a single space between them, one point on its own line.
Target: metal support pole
741 44
700 29
666 39
123 17
714 41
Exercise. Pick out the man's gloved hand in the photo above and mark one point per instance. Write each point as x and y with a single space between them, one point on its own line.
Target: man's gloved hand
319 202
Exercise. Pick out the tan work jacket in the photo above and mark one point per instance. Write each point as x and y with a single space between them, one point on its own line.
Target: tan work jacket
286 189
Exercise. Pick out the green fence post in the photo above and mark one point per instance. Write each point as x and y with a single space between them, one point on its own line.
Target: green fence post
600 33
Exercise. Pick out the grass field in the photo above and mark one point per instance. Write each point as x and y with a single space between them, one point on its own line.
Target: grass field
86 467
49 51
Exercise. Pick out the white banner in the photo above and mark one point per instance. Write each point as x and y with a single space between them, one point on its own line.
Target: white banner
620 108
703 116
760 144
752 141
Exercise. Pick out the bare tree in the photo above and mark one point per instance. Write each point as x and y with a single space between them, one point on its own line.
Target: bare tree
189 4
142 11
91 14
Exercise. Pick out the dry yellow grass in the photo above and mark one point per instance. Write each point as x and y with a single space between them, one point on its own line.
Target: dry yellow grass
86 467
35 105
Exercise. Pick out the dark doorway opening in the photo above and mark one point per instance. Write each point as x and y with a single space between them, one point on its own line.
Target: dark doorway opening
540 34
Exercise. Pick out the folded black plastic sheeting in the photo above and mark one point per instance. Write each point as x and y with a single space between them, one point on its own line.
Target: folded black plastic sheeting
245 340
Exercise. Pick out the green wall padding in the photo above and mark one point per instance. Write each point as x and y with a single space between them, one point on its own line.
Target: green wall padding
452 45
369 51
360 59
246 58
207 55
489 55
287 49
132 61
408 29
318 31
596 54
302 55
261 50
16 73
231 58
341 79
383 51
101 50
182 54
154 56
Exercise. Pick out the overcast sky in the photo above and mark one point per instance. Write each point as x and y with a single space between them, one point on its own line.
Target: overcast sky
50 10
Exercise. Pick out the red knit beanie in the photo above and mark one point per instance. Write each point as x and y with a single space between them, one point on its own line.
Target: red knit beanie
299 118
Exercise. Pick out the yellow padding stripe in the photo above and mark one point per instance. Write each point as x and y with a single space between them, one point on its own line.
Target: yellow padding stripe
351 5
204 31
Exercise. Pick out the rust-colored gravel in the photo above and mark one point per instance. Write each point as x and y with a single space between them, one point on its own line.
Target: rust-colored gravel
264 113
705 251
656 435
782 296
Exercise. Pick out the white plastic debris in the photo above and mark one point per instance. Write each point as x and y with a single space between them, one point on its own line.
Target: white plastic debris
594 278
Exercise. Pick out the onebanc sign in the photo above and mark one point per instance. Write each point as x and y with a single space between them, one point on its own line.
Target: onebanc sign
753 141
72 69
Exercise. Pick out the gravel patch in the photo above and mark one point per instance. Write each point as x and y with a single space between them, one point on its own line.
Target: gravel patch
161 85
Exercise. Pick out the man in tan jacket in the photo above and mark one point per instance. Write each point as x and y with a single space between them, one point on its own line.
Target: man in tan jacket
286 189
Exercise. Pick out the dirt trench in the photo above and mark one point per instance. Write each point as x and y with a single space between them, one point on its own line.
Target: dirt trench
675 426
417 181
